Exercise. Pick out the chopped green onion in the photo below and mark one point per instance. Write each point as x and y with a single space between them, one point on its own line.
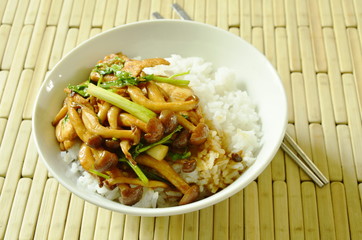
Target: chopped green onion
170 80
162 141
133 108
137 170
105 176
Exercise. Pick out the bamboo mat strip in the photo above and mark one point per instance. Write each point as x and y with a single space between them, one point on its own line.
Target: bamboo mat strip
109 15
36 45
251 212
101 230
61 34
32 12
301 118
3 122
59 216
13 124
46 209
54 12
34 201
147 228
349 13
40 70
236 224
356 52
206 217
268 31
316 36
10 11
296 225
245 20
302 13
280 205
325 13
355 124
265 196
74 218
3 78
316 48
329 129
4 35
283 67
354 208
341 36
340 216
309 75
292 33
2 9
17 211
279 13
15 72
13 176
90 212
310 216
325 212
278 166
335 79
117 226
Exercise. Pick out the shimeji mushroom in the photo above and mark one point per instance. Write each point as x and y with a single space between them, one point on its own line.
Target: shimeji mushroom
199 132
190 192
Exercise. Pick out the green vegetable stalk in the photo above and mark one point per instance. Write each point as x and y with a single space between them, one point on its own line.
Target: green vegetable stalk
133 108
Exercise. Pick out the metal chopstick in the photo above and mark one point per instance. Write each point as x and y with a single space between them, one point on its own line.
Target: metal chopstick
304 162
181 12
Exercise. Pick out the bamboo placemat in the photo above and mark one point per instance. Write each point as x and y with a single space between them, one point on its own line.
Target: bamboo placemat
314 44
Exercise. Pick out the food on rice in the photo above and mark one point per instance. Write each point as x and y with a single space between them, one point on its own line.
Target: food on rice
157 132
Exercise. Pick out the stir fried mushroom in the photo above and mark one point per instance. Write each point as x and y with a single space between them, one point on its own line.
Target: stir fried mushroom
199 133
60 115
130 196
155 130
154 93
125 146
104 160
112 117
190 193
138 97
91 139
103 111
92 124
129 120
176 93
85 157
169 120
65 133
182 139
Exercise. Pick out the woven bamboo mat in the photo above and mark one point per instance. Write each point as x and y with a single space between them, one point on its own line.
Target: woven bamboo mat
314 44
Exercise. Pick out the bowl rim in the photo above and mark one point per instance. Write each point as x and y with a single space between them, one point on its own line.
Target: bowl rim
168 211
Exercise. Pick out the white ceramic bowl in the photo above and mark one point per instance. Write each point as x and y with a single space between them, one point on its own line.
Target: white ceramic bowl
161 38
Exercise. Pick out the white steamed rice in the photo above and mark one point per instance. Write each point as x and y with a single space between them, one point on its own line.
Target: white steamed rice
235 128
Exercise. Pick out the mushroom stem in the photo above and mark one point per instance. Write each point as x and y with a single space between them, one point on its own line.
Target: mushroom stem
91 139
185 123
91 122
60 115
125 146
112 116
165 169
154 93
103 110
138 97
128 120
